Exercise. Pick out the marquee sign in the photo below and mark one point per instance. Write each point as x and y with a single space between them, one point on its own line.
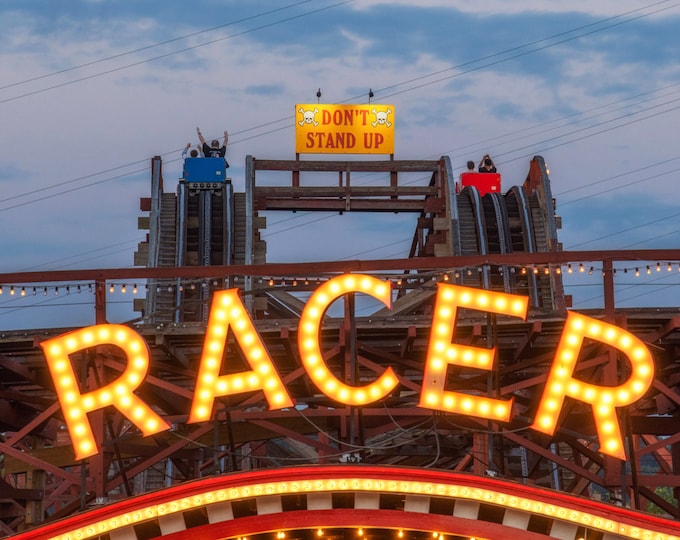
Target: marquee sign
228 313
344 129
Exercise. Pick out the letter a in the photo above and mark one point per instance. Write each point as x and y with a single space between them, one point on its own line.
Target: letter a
226 311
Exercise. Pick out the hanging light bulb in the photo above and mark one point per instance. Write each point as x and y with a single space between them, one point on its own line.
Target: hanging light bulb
68 290
45 291
56 291
112 288
1 291
649 271
558 270
670 267
271 282
123 289
569 270
11 290
658 267
590 272
79 290
34 291
23 291
580 268
637 272
134 288
535 270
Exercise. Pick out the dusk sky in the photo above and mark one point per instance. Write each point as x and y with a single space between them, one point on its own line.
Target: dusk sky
92 89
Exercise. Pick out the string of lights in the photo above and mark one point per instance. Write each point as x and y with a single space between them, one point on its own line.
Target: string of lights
400 280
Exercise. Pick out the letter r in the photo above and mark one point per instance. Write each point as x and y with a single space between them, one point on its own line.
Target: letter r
561 382
118 393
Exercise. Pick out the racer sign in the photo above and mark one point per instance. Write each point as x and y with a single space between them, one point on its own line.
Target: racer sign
344 129
228 313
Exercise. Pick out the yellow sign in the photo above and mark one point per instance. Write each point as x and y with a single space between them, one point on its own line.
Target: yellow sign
344 129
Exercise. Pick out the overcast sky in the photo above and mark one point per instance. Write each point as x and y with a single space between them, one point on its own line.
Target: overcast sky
91 90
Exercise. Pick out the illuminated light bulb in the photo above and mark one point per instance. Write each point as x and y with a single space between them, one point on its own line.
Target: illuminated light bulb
649 270
558 270
524 271
1 290
580 268
123 289
670 267
569 270
85 446
360 532
546 271
590 272
400 534
637 272
658 267
23 291
11 290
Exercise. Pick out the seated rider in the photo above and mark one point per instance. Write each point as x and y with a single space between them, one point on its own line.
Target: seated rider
486 165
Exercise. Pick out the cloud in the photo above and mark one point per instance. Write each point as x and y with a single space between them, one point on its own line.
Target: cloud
501 7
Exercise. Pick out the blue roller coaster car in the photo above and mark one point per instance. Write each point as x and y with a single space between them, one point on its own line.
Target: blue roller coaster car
205 169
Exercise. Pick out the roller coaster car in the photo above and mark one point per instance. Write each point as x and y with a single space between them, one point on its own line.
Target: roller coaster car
484 182
204 169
